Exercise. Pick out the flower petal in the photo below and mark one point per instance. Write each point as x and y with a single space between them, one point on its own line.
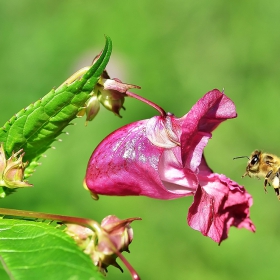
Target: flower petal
116 84
212 109
158 131
219 203
174 177
126 163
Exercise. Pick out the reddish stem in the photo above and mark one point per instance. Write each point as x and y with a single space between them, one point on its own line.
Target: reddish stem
132 271
150 103
46 216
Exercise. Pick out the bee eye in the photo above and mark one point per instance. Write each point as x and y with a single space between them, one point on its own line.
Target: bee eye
254 160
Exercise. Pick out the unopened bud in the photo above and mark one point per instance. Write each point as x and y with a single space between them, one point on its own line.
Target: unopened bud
92 108
111 100
112 92
12 170
114 236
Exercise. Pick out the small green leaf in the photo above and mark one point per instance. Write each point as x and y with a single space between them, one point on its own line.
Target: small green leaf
36 250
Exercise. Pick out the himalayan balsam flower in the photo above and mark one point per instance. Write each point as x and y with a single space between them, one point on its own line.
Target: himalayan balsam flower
162 158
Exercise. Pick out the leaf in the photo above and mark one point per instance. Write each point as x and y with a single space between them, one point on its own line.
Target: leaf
3 274
35 127
36 250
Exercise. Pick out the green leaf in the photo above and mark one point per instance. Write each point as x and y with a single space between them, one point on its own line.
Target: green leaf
35 127
36 250
3 273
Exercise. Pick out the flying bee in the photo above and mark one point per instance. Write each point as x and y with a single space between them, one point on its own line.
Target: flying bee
266 166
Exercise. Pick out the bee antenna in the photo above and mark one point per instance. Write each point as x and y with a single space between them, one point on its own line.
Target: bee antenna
242 157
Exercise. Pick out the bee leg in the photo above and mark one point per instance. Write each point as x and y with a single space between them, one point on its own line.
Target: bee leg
277 189
245 174
266 180
265 183
277 193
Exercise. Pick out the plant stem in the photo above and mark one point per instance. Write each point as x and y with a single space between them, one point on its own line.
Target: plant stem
150 103
132 271
46 216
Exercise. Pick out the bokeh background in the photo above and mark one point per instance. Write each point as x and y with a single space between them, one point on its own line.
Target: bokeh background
176 51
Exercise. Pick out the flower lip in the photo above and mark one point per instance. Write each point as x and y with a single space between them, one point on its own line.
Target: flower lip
219 203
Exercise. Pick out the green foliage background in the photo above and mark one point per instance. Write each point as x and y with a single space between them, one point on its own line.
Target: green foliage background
177 51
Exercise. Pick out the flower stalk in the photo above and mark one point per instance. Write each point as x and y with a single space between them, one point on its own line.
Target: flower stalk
150 103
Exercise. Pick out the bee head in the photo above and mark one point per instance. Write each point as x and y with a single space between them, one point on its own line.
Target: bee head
253 163
254 159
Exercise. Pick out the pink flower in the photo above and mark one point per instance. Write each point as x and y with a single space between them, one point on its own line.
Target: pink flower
162 158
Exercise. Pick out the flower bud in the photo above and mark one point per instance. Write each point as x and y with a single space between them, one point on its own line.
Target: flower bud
111 92
114 236
92 108
120 231
112 100
81 235
12 170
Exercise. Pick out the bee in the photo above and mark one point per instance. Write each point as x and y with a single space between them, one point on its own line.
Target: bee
266 166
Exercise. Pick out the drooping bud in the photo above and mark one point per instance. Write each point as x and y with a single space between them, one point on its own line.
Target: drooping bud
83 236
112 100
120 231
12 170
111 93
92 108
103 245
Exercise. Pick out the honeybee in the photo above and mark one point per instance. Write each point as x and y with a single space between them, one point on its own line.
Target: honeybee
266 166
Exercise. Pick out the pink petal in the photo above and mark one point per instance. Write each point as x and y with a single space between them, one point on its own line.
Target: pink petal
116 84
174 177
165 133
204 169
126 163
212 109
219 203
121 233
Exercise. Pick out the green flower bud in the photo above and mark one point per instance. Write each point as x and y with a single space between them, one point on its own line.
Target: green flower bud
111 100
92 108
12 170
111 93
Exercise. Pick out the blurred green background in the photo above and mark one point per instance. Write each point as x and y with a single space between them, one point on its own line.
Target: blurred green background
176 51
